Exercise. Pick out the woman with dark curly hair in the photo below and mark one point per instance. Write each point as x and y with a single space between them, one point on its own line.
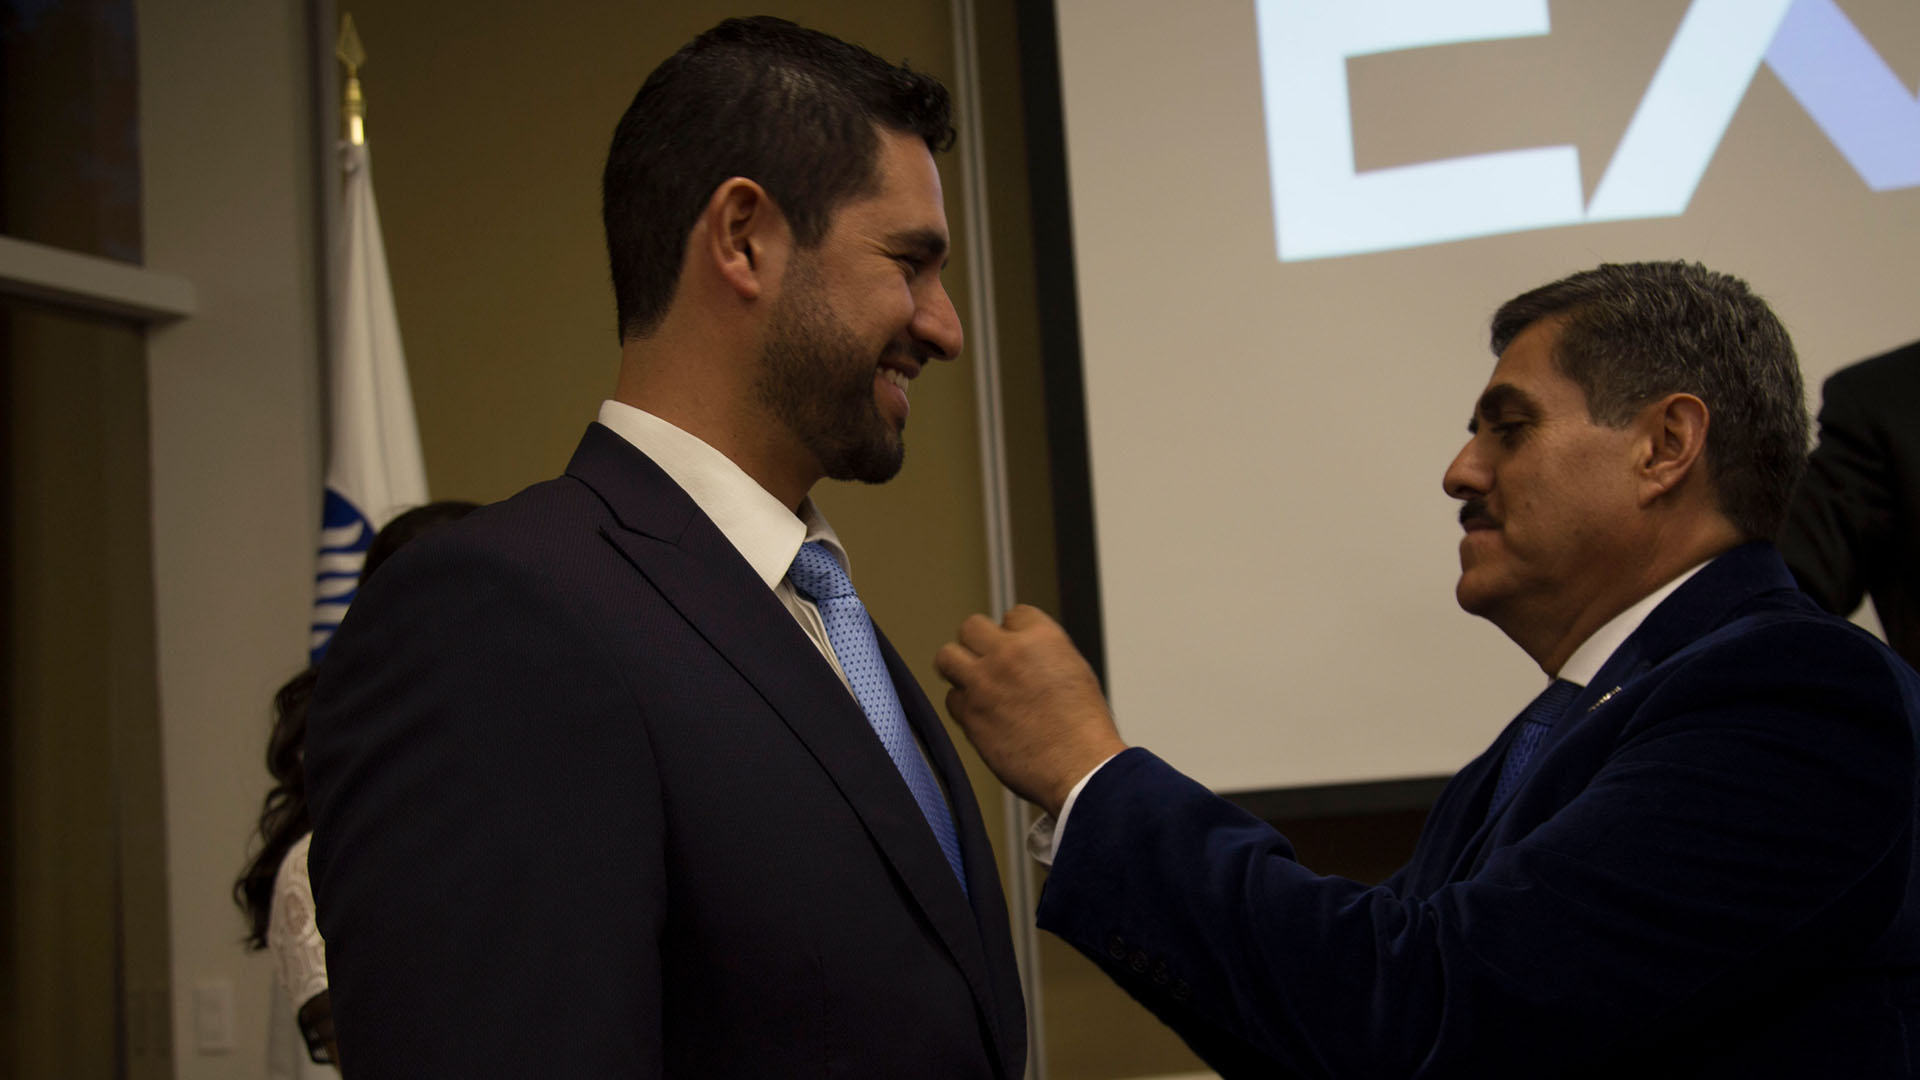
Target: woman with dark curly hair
273 890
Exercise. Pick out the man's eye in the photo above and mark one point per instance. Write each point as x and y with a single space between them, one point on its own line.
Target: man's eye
1508 431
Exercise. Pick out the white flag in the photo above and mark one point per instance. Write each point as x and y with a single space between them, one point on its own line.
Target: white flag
374 466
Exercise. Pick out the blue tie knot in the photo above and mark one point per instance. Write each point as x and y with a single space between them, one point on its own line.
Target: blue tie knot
1552 702
1537 720
817 574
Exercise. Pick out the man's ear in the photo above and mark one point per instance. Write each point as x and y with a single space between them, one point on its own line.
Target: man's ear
743 236
1675 429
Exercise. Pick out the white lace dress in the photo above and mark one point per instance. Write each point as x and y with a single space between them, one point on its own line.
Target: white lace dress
292 933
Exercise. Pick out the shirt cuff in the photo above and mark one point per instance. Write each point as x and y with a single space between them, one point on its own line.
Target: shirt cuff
1043 839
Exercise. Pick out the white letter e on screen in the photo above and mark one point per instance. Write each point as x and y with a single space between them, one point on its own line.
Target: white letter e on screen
1321 206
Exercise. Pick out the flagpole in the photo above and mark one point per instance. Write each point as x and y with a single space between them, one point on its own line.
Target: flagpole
375 468
353 106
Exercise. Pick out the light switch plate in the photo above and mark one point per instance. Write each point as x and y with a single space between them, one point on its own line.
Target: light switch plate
213 1016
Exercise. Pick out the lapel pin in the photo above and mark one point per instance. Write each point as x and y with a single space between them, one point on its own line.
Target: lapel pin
1603 699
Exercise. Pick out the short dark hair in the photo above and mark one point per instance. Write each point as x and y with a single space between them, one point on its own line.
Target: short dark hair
1635 332
795 110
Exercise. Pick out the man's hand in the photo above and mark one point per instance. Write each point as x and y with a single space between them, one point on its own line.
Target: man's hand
1029 703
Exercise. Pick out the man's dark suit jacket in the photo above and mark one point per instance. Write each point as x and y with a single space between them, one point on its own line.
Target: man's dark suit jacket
588 802
1708 871
1854 529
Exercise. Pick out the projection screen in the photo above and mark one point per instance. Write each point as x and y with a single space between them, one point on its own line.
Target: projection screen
1291 220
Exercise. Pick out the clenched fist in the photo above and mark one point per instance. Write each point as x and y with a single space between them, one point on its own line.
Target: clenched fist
1029 703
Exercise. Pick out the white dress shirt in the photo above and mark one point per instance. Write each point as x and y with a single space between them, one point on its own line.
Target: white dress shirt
1043 840
759 526
1599 647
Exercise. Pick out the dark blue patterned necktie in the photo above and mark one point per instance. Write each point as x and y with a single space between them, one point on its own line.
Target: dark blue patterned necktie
1535 721
819 577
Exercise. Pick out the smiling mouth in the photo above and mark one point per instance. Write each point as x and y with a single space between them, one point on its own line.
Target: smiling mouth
896 377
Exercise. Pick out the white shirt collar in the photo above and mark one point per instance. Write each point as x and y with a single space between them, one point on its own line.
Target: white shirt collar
759 526
1586 660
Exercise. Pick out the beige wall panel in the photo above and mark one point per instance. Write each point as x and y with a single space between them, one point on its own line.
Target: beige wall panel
226 168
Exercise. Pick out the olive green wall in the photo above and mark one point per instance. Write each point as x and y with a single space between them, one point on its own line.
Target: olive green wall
488 123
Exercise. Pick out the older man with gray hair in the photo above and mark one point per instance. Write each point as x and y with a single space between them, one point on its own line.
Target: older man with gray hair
1691 855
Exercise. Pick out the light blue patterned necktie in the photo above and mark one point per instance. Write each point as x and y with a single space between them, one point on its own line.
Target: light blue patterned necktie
818 576
1536 720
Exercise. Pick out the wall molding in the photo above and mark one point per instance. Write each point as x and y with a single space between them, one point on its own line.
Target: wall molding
91 284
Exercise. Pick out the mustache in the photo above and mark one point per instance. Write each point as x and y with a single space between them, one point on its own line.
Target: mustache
1475 512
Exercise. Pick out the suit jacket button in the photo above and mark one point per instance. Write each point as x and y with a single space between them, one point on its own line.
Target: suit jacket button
1138 962
1116 948
1181 991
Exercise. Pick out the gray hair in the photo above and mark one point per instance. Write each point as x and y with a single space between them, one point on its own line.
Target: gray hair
1632 333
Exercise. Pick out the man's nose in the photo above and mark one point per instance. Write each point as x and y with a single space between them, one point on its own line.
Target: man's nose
937 325
1467 476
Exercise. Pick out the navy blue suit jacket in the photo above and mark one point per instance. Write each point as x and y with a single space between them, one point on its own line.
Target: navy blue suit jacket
588 802
1708 871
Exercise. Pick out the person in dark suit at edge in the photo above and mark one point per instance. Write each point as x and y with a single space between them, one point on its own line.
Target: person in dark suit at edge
1853 530
1691 856
617 778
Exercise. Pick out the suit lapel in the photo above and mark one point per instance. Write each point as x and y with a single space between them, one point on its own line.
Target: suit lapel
1477 830
1457 826
670 542
1707 601
988 914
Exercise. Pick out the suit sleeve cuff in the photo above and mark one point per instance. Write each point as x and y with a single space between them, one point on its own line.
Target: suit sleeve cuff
1043 839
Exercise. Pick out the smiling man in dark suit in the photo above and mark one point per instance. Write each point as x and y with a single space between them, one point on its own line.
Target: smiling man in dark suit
618 778
1692 855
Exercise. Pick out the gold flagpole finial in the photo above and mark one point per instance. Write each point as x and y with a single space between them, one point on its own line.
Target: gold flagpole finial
353 107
